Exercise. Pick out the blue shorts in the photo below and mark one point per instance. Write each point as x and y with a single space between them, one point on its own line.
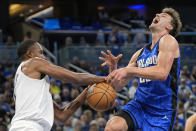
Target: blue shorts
146 118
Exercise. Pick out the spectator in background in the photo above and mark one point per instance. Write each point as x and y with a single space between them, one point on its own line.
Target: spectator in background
9 41
127 38
83 41
3 108
3 127
4 103
65 95
184 90
181 110
89 115
84 122
58 100
68 41
133 88
100 40
3 118
54 88
93 126
139 40
8 69
193 75
68 125
74 93
178 126
185 72
113 36
191 104
101 122
85 65
76 61
28 36
194 89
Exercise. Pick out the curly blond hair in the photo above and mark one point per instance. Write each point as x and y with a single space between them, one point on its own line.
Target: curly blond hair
175 22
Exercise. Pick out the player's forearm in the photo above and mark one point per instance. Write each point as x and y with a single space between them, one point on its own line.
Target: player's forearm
89 79
190 123
63 115
152 73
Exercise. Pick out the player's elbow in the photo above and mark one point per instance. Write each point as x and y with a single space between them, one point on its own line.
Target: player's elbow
62 118
163 76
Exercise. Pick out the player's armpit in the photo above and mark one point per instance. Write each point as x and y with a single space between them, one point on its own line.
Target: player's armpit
132 62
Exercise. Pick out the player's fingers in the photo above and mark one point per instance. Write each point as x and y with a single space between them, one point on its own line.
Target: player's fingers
119 56
108 78
110 54
104 54
88 87
101 58
104 64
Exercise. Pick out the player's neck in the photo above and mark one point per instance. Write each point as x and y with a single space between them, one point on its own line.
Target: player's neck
156 36
24 59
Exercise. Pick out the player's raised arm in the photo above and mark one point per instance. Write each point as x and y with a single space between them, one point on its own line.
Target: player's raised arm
64 113
122 82
110 60
63 74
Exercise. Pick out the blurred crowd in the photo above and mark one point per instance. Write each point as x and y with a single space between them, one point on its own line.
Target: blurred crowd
85 118
117 36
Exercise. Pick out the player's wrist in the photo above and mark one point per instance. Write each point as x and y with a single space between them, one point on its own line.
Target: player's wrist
129 71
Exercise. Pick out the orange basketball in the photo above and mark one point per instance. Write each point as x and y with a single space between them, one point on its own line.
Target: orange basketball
101 96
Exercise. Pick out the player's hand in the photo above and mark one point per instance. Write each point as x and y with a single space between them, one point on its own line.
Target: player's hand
118 78
109 59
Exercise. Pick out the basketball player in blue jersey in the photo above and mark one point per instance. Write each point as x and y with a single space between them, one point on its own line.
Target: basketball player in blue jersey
35 110
157 67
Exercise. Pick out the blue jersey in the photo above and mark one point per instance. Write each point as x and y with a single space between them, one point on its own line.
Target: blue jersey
161 95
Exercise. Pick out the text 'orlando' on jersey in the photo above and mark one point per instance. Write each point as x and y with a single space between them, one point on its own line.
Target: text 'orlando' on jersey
157 94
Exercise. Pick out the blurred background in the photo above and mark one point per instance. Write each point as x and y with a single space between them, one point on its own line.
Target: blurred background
73 32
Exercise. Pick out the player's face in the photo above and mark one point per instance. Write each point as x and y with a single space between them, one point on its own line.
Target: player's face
37 51
161 21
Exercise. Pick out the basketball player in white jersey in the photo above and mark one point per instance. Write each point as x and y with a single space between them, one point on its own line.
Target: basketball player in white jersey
35 110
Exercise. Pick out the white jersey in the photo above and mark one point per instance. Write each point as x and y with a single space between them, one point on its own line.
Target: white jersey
33 99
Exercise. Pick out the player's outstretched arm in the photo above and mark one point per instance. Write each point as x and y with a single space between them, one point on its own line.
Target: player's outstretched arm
65 75
168 50
110 60
190 123
64 114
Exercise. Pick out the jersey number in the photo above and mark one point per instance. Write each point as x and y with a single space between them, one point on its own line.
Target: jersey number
144 80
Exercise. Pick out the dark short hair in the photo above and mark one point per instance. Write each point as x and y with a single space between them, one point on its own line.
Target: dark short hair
24 47
175 22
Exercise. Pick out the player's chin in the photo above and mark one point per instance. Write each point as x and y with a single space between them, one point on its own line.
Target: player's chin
152 26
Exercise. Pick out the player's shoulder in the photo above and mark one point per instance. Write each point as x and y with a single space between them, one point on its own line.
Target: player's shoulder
36 61
168 41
